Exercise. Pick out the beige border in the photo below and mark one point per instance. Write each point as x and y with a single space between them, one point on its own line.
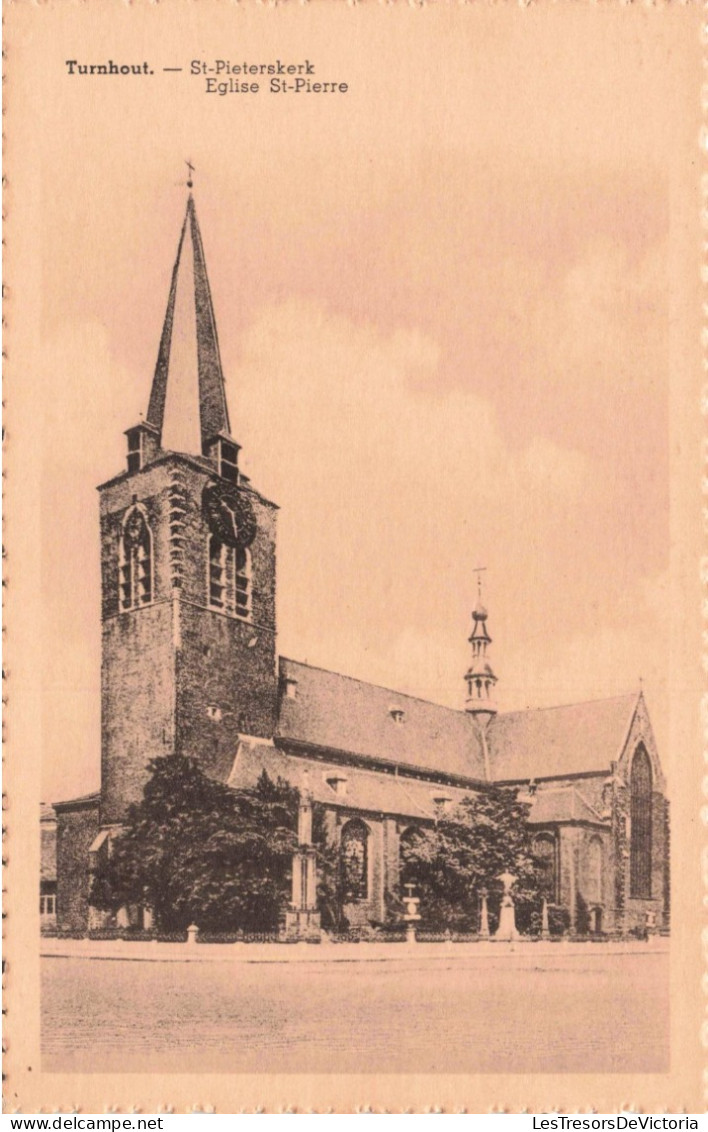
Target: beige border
28 32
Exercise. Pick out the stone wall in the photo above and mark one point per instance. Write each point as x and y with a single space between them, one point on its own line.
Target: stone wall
48 846
588 897
137 664
137 703
226 667
226 686
77 827
577 892
177 676
568 858
657 904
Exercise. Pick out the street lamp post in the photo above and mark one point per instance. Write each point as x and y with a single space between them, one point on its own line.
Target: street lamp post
483 915
411 915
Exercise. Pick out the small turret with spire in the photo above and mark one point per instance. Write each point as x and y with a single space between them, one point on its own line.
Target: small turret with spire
480 677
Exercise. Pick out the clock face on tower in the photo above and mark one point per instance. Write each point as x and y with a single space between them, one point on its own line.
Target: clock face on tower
229 514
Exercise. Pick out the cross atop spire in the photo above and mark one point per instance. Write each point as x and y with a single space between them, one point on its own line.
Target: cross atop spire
189 380
190 179
479 570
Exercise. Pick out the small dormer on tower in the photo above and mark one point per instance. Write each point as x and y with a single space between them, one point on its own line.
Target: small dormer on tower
480 677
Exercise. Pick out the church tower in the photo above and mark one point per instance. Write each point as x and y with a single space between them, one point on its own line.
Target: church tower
187 565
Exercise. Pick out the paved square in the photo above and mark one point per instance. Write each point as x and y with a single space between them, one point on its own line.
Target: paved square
513 1014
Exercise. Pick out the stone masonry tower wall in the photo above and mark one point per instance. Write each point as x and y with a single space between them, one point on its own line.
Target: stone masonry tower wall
187 566
177 675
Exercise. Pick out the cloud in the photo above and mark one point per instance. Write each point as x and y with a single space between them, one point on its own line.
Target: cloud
607 660
84 408
390 493
393 486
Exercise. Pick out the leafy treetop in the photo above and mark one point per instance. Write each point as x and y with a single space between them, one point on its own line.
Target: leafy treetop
194 850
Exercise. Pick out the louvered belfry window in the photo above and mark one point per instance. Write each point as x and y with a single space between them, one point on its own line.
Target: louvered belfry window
243 582
229 580
135 562
219 563
641 831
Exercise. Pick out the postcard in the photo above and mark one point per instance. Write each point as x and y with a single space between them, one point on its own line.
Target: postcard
354 522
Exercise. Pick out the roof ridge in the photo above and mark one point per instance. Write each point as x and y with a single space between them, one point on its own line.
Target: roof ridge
370 684
630 723
445 707
572 703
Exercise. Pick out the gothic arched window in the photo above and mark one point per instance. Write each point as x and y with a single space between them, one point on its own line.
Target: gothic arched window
135 561
593 872
640 782
354 860
545 850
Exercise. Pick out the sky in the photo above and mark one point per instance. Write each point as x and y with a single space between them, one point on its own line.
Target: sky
443 312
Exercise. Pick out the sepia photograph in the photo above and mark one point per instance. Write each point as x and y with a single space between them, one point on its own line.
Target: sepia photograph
356 665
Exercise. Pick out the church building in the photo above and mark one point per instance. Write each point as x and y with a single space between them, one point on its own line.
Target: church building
190 666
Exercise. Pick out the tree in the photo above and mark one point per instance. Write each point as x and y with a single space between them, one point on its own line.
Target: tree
450 864
194 850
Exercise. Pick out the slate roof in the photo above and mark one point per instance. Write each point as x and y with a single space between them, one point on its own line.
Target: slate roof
571 739
86 801
339 713
374 792
563 804
343 714
198 330
368 790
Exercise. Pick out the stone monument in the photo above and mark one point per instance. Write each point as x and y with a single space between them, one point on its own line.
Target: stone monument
483 915
507 915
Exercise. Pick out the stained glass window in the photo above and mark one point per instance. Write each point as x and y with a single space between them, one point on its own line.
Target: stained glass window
354 860
641 832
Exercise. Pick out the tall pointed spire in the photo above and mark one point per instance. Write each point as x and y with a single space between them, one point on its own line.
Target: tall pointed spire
188 358
480 676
